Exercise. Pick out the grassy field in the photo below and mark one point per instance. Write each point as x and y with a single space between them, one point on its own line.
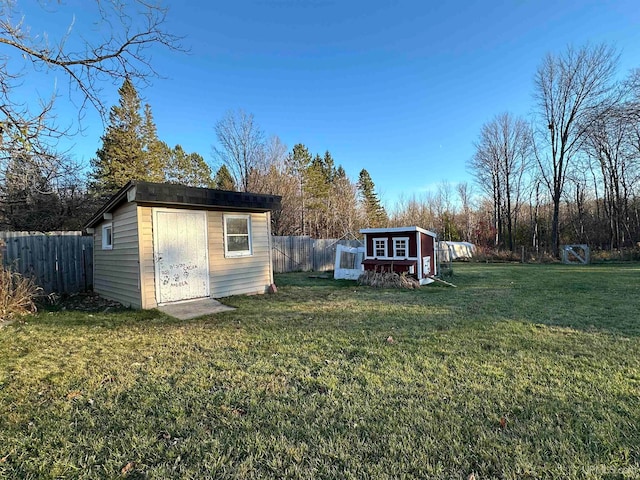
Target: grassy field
523 371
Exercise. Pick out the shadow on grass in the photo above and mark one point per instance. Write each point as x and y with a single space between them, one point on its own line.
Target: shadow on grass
595 298
588 298
113 319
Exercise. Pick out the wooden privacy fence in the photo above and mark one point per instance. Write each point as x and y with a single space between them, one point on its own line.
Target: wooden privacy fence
302 253
60 262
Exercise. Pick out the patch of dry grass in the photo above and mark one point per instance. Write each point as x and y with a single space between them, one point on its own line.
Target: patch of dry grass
387 280
17 294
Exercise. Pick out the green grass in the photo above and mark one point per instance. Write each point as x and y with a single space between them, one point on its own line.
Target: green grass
304 384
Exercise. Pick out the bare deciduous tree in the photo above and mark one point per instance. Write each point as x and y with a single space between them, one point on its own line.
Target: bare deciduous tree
465 195
34 198
273 152
570 89
118 48
607 143
415 210
500 163
343 208
241 146
127 30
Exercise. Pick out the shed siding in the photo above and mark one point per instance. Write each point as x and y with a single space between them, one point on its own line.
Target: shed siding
240 275
420 245
147 265
116 271
412 236
428 250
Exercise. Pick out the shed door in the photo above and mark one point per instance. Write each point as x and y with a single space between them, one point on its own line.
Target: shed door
180 254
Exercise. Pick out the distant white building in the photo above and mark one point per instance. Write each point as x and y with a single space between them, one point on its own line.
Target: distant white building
455 250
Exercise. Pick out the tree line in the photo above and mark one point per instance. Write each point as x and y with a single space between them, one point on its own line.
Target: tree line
569 173
318 198
44 189
41 186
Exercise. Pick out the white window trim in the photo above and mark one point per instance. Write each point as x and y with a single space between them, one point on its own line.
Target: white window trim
106 226
386 246
241 253
406 247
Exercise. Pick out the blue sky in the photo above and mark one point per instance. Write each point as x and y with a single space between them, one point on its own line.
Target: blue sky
398 87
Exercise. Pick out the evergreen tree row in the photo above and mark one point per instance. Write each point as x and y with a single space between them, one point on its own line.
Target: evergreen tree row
131 150
318 198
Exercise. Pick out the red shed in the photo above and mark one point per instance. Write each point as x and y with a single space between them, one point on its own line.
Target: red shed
409 250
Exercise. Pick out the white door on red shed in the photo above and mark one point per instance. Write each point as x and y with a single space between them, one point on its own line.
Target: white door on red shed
180 254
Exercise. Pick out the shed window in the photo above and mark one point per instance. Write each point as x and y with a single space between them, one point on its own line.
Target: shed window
379 247
400 247
237 235
107 236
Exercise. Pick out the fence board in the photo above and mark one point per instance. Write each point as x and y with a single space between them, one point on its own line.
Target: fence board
298 253
60 262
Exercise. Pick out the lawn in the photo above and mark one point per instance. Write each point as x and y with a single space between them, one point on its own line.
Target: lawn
523 371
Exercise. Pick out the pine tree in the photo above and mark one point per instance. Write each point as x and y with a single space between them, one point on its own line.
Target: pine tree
318 180
373 212
297 163
157 153
188 169
130 146
316 187
223 179
329 166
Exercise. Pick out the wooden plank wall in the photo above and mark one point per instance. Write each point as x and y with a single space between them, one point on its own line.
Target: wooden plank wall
61 262
298 253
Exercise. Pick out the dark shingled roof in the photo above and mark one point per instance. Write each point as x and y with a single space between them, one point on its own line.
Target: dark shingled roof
171 195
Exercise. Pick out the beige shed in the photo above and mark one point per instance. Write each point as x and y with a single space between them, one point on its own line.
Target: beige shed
158 243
